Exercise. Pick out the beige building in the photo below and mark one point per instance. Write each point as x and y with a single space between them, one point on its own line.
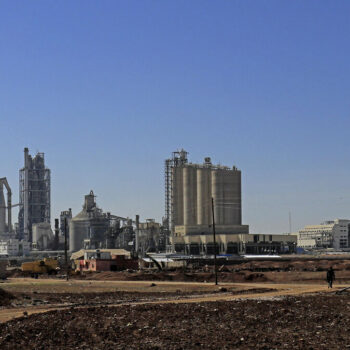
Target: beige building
330 234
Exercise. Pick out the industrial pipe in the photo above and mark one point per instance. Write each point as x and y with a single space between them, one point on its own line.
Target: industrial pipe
3 181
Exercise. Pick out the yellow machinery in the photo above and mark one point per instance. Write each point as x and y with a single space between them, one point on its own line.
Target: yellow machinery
47 265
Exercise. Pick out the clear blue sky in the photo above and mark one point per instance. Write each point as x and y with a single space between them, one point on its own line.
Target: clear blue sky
108 89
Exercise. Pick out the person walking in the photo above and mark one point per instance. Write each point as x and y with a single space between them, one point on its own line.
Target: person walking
330 277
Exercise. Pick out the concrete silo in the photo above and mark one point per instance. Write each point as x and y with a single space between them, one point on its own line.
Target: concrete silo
88 227
203 196
189 195
177 198
189 190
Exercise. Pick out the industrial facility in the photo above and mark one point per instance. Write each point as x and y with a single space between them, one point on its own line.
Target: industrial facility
34 194
197 194
94 229
329 234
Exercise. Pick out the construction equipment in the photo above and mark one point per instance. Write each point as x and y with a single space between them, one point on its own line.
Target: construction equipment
47 265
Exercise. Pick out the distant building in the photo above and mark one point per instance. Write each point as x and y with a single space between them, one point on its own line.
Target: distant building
330 234
148 236
103 260
14 247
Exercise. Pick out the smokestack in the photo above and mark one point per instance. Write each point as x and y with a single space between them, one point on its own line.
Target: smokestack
26 152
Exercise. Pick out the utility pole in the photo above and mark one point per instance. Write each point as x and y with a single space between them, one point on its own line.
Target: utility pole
290 222
66 248
214 237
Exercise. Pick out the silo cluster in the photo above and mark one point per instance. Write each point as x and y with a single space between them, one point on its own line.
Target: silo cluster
193 187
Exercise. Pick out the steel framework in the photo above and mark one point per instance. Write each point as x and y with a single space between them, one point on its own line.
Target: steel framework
178 158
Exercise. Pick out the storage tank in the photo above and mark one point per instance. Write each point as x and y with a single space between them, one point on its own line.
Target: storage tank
90 223
204 196
226 191
178 197
217 191
190 195
232 197
79 228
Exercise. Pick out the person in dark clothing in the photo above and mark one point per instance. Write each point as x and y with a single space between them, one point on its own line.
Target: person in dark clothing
330 277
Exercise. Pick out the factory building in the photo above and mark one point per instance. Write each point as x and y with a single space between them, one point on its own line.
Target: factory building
189 191
329 234
34 194
103 260
14 247
148 236
94 229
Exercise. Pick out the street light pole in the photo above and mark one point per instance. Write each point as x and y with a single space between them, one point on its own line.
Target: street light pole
214 237
66 248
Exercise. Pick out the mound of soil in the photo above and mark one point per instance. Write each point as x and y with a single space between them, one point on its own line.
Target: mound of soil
312 322
5 297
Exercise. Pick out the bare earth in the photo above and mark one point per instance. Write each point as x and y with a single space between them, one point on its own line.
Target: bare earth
258 312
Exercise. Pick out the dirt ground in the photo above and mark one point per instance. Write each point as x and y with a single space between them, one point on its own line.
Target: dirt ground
296 270
309 322
257 305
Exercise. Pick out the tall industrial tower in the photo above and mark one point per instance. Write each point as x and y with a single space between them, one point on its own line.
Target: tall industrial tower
178 159
34 194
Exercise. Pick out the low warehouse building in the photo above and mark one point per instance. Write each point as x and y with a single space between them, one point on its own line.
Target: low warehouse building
103 260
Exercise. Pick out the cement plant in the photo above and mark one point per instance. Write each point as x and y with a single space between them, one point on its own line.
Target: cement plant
100 280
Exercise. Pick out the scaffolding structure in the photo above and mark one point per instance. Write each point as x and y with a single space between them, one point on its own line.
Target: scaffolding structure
178 158
34 194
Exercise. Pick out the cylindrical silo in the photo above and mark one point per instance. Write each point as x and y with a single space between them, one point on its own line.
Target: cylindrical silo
217 190
177 196
203 196
190 195
79 228
233 200
98 229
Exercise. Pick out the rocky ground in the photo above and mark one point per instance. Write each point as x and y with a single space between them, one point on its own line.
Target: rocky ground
309 322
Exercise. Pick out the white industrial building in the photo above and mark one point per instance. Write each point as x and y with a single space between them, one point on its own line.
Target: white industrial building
14 247
330 234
